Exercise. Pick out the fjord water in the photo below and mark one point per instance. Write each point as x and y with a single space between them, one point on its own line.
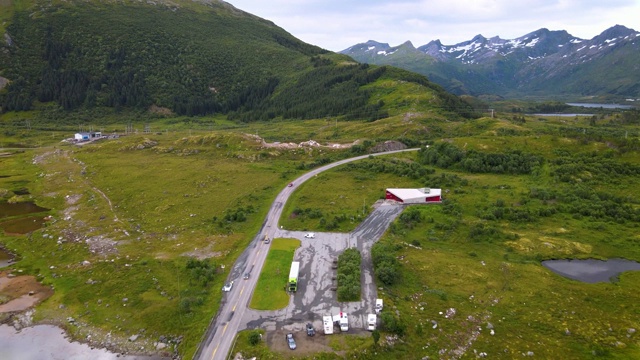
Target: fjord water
591 270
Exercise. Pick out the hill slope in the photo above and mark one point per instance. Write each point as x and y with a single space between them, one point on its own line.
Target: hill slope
190 57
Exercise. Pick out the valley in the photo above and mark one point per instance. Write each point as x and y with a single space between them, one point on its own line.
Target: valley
215 120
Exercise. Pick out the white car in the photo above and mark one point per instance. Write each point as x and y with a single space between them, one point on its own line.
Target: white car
310 235
227 287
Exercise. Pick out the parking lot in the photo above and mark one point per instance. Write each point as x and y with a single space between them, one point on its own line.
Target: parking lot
316 296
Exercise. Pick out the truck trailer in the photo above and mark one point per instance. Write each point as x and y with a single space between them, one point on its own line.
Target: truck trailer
372 320
293 277
327 322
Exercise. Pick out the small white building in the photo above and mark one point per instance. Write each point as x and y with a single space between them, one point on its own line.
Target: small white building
82 136
415 196
86 136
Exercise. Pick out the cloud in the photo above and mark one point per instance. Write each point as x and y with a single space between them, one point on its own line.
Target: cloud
336 25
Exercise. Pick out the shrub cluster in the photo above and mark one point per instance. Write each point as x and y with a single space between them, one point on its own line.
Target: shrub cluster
349 275
446 155
385 265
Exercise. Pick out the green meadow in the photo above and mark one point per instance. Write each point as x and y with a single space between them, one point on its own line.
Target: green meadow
270 292
153 218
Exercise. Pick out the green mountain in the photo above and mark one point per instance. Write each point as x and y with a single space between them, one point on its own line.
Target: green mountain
189 57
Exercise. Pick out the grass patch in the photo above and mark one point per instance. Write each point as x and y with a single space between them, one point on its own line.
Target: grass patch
270 291
243 345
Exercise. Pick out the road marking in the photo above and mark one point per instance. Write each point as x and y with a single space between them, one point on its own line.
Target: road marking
241 290
234 309
214 352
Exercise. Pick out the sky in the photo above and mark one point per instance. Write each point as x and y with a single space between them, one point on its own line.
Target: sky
338 24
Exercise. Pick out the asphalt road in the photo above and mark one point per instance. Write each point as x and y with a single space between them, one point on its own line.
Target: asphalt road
231 315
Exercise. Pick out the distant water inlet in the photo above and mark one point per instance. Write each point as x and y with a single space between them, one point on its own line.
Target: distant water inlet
591 270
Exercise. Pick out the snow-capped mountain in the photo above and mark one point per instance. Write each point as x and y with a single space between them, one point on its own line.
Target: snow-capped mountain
542 61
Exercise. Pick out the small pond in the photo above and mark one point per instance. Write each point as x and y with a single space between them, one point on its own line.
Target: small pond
49 342
13 220
21 208
5 258
591 270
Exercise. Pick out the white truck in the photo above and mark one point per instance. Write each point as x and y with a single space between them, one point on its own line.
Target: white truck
293 276
327 322
372 322
342 320
378 306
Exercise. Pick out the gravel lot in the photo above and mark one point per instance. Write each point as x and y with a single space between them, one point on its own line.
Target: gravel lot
315 296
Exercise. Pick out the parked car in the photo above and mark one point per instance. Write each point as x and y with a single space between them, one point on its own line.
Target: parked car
227 287
291 342
310 235
310 330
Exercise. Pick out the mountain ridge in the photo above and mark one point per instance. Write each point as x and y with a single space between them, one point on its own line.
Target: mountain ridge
520 66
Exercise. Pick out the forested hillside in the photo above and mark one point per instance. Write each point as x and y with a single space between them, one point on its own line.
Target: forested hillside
191 58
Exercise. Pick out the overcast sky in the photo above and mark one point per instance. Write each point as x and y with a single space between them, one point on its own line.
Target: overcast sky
337 24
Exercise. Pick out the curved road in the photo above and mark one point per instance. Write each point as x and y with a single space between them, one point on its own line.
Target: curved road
223 328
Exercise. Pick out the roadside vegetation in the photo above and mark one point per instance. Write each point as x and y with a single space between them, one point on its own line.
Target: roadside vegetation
466 276
270 292
141 207
349 269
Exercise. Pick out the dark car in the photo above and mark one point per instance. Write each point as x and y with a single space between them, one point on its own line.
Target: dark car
310 330
246 276
291 342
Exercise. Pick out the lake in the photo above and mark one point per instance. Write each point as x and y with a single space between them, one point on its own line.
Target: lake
604 106
562 115
591 270
48 342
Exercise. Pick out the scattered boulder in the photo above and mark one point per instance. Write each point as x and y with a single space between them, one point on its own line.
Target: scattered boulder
133 338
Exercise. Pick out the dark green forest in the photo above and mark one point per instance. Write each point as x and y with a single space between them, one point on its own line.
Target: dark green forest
194 60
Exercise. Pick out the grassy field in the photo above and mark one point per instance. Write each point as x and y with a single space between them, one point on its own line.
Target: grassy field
270 291
129 213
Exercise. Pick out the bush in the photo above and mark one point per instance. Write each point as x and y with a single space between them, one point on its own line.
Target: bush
349 275
386 266
255 337
393 324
